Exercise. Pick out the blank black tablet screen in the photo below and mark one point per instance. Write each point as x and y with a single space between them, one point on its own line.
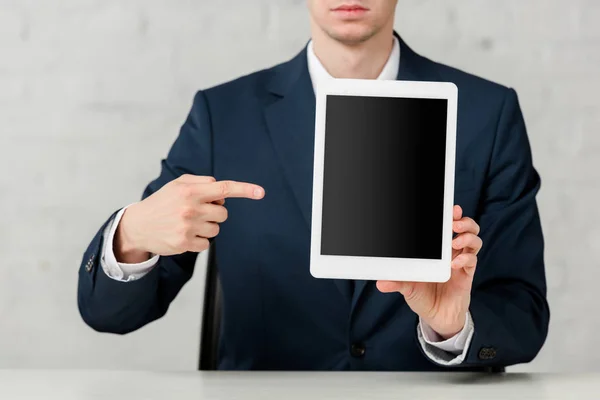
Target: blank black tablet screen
383 183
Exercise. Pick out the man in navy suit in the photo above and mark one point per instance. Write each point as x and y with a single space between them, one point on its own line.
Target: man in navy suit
240 175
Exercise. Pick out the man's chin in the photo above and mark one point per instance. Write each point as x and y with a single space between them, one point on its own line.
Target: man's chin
352 35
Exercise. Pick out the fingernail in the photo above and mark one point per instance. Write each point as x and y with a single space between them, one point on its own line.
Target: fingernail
258 193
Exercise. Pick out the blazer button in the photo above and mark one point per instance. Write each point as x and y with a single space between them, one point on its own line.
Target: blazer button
89 265
357 350
487 353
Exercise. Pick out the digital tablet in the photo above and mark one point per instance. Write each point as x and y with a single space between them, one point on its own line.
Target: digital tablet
383 183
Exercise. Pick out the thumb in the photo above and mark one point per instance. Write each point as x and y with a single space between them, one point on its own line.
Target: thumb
405 288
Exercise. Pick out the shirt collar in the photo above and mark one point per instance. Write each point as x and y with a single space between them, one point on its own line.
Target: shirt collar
318 73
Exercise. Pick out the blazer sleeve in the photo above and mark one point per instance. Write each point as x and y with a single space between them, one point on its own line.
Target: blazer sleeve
508 304
108 305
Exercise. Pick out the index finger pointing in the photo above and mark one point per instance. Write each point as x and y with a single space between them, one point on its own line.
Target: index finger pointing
224 189
188 178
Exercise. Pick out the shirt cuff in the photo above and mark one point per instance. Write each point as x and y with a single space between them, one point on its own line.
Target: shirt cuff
447 352
121 271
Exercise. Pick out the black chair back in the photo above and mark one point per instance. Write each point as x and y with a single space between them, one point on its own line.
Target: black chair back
211 316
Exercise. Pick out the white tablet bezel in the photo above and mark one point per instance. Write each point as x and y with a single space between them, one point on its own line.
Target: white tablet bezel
383 268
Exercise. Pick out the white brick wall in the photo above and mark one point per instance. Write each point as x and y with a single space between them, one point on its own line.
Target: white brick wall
92 93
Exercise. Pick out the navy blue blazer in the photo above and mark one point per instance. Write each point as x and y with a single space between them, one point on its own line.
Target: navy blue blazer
276 316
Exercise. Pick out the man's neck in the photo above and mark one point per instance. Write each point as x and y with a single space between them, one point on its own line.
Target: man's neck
360 61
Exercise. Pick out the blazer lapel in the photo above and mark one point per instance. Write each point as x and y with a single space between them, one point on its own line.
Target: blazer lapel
290 121
411 68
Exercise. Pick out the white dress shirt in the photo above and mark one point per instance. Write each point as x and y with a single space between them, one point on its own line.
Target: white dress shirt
445 352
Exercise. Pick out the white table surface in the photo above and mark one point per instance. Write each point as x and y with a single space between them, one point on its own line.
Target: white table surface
115 385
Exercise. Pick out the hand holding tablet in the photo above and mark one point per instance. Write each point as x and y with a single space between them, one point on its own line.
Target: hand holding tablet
443 306
383 191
